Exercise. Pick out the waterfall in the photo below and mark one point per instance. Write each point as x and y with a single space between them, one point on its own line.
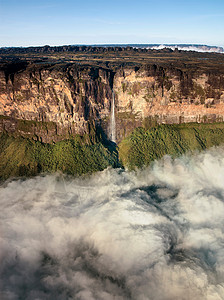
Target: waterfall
112 120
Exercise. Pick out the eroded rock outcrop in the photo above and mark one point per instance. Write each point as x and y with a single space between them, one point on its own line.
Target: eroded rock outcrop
74 98
168 96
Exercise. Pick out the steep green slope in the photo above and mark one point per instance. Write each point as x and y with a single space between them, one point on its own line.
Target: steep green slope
144 146
25 157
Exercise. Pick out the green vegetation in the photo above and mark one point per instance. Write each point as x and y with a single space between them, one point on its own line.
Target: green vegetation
149 95
143 146
24 157
28 126
150 122
124 87
80 155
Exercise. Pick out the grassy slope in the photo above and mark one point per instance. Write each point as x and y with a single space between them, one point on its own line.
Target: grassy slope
144 146
24 157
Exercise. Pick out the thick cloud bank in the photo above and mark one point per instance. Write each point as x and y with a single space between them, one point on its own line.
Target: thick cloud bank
157 234
197 48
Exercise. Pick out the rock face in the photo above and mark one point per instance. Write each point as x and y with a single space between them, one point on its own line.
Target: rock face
168 96
73 99
70 97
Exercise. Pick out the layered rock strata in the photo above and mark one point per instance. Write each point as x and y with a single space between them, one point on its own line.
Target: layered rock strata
71 99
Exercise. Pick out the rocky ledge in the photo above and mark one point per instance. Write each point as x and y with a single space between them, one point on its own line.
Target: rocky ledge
70 99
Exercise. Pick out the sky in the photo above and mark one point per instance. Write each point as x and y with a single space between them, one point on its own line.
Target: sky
54 22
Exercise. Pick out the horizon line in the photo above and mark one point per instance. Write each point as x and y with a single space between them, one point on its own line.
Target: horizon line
117 44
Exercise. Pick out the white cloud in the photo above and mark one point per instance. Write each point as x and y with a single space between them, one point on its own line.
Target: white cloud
201 48
155 234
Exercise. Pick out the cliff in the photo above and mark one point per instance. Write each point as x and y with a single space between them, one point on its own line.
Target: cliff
155 94
69 98
65 99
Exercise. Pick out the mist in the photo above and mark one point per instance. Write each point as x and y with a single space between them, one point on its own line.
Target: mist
198 48
151 234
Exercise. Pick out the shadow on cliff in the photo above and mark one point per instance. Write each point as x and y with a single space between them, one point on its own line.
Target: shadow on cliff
111 146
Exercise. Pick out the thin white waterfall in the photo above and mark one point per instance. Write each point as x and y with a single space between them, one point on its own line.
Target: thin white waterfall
112 120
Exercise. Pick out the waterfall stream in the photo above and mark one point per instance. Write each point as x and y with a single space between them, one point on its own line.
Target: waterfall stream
112 120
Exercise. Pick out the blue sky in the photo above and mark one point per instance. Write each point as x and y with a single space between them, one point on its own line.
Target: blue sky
24 23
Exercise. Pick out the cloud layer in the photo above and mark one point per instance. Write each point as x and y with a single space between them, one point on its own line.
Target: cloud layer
197 48
155 234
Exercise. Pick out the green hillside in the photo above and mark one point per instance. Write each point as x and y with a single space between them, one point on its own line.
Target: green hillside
24 157
144 146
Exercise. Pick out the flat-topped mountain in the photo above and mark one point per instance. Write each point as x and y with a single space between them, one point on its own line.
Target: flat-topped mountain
72 87
49 95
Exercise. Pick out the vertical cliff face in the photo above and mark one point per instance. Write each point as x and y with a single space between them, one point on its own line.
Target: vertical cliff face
73 98
68 96
163 95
